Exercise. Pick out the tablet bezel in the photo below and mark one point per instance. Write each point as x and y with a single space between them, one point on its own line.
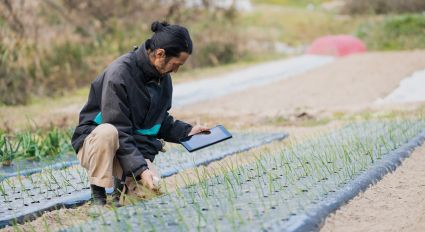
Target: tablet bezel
184 140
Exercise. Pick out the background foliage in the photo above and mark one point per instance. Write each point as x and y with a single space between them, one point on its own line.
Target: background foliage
50 47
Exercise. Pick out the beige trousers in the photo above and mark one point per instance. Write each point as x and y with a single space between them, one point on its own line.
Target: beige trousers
97 156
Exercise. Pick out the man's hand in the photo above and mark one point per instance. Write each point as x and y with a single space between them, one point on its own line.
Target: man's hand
198 129
150 180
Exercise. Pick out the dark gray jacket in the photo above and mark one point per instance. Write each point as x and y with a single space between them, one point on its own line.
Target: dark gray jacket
131 95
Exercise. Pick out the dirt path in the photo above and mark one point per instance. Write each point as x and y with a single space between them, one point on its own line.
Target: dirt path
347 84
396 203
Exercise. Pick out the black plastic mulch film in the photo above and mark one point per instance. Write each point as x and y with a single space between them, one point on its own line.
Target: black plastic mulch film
25 197
290 191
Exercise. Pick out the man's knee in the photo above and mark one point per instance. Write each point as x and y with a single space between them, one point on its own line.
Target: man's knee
107 133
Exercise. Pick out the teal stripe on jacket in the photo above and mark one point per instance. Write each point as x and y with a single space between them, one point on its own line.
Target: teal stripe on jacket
98 118
151 131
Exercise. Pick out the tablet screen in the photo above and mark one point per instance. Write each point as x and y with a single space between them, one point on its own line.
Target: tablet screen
204 139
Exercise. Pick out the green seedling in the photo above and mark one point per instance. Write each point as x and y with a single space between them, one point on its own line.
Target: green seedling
66 182
8 151
3 191
30 146
51 145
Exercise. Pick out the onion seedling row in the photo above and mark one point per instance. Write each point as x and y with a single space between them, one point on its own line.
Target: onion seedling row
275 188
22 149
54 188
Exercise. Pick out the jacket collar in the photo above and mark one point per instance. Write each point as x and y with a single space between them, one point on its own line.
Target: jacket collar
144 64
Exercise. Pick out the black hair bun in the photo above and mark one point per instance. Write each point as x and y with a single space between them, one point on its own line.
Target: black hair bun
158 26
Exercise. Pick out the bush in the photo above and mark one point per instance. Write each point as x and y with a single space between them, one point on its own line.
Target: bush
13 86
212 49
64 67
395 33
383 6
80 38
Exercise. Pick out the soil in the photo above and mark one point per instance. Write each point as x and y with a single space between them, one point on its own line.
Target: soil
348 84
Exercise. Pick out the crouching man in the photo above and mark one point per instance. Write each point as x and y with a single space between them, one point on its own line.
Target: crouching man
127 113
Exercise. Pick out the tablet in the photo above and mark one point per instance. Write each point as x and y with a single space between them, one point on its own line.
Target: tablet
204 139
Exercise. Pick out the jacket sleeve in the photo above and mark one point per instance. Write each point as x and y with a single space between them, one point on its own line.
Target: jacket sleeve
173 130
116 111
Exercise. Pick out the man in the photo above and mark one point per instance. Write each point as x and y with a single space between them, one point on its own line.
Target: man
127 112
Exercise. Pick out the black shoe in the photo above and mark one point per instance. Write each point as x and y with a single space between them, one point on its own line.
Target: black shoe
116 194
98 195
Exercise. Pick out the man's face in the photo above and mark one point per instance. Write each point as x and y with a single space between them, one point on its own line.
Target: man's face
166 65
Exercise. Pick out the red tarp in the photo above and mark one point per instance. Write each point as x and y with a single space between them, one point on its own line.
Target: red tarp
336 45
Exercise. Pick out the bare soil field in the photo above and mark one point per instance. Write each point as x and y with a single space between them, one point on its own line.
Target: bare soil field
348 84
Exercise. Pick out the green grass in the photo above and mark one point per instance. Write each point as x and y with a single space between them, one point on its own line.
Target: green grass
296 26
394 32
